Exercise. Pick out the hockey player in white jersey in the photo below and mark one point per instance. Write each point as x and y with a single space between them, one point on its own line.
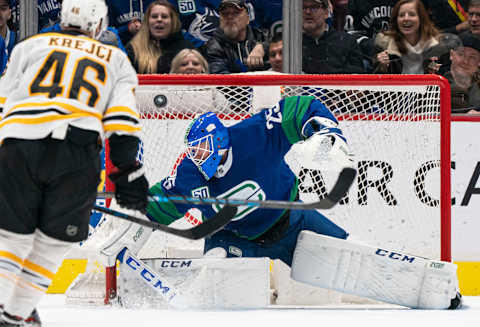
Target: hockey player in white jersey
61 95
246 161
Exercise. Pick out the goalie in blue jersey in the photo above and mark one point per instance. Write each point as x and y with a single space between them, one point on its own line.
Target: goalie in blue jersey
246 161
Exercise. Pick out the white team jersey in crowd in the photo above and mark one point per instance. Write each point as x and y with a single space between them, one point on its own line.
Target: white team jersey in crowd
57 79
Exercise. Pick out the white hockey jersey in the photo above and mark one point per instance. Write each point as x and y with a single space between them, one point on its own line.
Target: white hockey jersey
58 79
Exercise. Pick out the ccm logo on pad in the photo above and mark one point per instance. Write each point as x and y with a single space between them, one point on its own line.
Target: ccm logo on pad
394 255
146 275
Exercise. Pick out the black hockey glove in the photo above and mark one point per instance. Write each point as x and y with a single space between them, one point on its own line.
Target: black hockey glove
131 188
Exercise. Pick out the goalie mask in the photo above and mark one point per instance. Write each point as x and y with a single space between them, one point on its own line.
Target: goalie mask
87 15
207 140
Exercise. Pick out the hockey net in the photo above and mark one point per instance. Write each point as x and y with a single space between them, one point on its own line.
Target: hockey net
397 126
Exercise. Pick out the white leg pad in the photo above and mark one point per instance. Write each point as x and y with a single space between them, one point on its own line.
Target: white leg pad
131 236
375 273
201 283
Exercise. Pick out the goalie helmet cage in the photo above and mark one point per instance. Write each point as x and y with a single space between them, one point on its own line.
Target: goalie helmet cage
398 127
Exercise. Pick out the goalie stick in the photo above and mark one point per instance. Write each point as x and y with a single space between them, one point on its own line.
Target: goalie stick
207 228
339 190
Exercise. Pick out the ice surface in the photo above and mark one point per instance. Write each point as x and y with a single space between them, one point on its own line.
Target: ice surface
55 313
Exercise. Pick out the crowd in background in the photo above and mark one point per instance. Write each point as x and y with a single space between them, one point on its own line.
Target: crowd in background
339 36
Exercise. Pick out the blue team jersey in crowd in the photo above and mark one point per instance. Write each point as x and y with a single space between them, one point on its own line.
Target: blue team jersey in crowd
10 41
3 56
48 13
199 19
258 170
121 12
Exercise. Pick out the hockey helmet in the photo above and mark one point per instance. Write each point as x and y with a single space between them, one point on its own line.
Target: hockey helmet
207 140
87 15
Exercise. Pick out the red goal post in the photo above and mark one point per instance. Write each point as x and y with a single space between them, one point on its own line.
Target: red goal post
413 103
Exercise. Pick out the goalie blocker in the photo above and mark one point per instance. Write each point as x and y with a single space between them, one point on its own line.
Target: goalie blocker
375 273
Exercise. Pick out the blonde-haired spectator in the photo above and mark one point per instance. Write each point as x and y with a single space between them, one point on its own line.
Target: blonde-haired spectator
189 61
411 34
158 40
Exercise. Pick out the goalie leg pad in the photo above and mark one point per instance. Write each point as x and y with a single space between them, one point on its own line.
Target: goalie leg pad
375 273
195 283
131 236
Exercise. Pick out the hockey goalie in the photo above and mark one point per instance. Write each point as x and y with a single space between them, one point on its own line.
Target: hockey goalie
246 161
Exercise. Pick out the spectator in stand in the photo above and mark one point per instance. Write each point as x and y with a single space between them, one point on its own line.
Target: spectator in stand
463 75
365 19
235 46
189 61
200 18
401 49
275 53
48 13
474 17
326 51
339 8
449 16
126 16
9 37
14 20
3 56
158 41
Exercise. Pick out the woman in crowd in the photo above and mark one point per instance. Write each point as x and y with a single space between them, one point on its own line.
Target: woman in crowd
402 47
158 41
189 61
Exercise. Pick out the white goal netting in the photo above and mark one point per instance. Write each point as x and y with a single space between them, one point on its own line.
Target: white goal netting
397 126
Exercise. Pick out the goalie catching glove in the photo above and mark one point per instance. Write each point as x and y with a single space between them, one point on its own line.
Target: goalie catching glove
131 187
325 146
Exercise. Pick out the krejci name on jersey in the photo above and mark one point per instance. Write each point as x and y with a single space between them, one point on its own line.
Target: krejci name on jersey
97 49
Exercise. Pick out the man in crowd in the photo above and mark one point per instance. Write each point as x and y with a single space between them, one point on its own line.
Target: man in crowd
275 53
326 51
235 46
474 17
463 78
8 36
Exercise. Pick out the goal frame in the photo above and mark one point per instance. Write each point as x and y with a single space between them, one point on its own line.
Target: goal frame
348 80
334 80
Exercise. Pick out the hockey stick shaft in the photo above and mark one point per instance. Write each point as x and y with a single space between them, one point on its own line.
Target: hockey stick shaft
339 190
208 227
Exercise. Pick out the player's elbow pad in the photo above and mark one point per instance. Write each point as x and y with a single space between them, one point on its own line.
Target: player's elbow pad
123 150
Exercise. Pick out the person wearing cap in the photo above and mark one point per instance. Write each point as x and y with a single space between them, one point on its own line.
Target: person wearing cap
463 75
235 46
326 51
